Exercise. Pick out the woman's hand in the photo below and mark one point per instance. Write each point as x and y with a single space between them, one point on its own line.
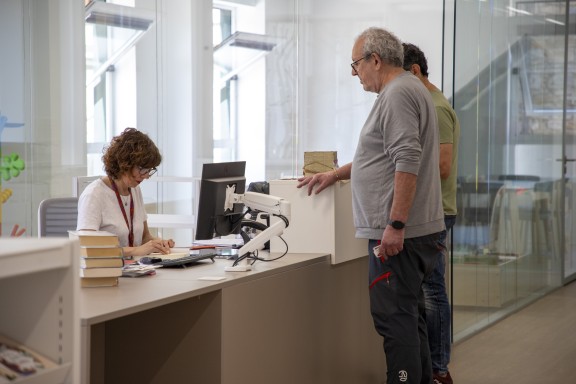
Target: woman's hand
161 246
156 245
152 244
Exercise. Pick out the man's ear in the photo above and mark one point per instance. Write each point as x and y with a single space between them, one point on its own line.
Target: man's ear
376 58
415 69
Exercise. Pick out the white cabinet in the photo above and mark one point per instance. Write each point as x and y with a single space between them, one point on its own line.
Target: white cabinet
319 223
39 287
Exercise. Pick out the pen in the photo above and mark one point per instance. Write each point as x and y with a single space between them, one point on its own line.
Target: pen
196 247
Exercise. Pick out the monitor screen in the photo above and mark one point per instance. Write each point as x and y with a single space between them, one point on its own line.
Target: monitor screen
213 218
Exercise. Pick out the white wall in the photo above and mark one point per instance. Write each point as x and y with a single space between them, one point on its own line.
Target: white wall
333 106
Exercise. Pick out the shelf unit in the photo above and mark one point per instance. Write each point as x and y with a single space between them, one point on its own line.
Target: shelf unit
39 288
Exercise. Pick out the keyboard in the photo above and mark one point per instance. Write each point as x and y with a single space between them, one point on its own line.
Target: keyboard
185 260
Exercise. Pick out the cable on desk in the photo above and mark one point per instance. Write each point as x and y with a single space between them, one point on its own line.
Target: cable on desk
255 258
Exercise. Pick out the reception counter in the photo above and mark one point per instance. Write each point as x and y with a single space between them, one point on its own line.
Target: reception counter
298 319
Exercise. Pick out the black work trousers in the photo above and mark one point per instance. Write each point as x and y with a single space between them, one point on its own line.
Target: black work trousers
397 306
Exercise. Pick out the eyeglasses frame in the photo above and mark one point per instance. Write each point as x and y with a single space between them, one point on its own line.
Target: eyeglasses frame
147 171
354 64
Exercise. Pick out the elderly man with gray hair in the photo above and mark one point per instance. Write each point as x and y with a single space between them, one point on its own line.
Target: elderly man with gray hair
396 200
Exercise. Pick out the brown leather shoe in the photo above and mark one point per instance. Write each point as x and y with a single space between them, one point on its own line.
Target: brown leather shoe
442 379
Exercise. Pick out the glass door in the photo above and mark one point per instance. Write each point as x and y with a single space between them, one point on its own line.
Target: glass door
568 160
549 112
516 219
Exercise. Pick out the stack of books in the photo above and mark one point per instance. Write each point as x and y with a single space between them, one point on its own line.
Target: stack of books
101 258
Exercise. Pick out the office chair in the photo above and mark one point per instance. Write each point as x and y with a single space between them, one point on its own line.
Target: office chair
56 216
477 200
476 210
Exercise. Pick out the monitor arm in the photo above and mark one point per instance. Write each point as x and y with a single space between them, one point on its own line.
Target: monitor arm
274 205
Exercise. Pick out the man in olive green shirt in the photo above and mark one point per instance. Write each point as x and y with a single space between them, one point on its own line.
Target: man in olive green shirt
437 306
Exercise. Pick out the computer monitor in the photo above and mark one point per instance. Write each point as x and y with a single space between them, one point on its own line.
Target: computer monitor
214 219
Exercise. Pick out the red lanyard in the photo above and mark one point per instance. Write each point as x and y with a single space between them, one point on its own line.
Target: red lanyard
131 225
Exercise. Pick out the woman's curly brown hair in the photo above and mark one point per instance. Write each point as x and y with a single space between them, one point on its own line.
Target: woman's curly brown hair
130 149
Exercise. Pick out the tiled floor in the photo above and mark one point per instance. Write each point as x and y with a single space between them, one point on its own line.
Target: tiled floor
533 346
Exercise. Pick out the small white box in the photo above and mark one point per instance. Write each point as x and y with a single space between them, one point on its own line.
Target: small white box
319 223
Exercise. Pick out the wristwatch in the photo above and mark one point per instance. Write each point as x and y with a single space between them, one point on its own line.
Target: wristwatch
396 224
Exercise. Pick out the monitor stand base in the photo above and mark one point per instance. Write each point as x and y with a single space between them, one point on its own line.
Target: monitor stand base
238 268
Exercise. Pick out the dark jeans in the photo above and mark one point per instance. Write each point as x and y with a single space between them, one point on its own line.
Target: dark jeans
397 306
438 314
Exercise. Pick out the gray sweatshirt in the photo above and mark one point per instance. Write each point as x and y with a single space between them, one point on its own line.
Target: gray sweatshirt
400 134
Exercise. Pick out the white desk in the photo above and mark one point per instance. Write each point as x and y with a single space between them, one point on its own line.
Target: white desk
295 320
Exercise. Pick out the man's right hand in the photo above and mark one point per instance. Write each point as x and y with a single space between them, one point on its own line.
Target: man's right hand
322 180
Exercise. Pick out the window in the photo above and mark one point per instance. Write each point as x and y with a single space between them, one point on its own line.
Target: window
111 33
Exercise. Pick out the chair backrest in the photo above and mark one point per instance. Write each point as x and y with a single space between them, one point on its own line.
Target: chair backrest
476 201
56 216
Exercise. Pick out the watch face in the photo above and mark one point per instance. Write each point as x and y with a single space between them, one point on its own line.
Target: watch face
396 224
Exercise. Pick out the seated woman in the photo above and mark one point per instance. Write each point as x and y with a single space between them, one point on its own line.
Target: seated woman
114 203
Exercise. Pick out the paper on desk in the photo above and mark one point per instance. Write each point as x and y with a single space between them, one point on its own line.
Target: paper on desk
175 253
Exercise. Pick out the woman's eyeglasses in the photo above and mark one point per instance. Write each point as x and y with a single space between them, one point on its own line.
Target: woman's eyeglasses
147 171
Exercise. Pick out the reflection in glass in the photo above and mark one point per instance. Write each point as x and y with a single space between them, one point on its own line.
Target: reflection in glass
516 117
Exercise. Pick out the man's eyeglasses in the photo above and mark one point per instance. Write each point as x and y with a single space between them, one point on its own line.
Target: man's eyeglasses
147 171
354 64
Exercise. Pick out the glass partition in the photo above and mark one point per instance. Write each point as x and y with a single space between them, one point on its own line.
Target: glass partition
510 62
41 109
569 157
255 80
195 76
112 33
